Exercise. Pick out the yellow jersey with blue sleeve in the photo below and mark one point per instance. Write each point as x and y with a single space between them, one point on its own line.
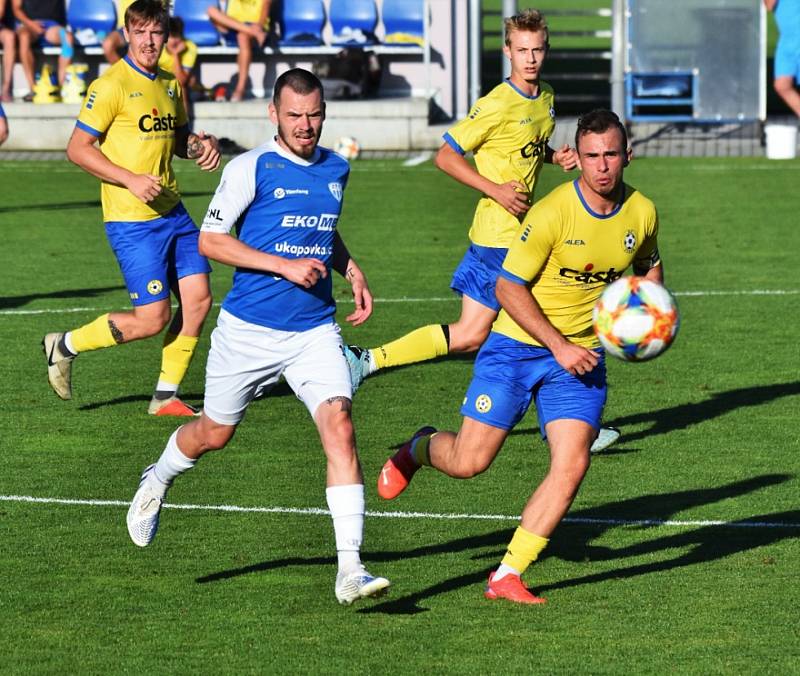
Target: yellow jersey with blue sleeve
122 7
246 11
135 115
567 255
507 132
188 58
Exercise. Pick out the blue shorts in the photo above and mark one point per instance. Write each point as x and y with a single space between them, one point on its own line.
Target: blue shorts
41 43
509 373
787 58
476 274
153 255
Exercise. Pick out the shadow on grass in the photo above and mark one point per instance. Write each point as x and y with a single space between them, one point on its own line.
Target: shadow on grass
280 390
709 542
18 301
682 416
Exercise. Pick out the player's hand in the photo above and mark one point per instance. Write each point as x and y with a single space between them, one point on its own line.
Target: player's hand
258 33
145 187
566 157
304 272
205 148
362 297
576 359
513 197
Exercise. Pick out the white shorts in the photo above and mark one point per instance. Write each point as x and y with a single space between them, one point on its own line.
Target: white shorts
247 359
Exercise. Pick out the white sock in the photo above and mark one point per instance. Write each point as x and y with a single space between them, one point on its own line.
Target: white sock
164 386
504 570
372 365
68 342
347 510
172 462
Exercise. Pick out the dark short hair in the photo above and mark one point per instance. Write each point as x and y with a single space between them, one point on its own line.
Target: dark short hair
298 80
146 11
176 26
599 121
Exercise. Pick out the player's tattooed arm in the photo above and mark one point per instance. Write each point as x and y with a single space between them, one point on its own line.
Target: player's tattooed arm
194 147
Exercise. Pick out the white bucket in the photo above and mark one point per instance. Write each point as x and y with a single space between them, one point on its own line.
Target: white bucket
781 141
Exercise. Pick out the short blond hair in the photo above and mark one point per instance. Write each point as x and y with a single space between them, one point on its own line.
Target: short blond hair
531 20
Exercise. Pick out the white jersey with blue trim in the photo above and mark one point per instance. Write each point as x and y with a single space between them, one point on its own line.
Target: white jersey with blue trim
283 205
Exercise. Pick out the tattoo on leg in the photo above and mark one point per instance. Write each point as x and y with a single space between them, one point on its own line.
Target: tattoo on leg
118 337
347 405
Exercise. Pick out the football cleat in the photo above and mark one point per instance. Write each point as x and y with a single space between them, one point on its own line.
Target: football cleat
359 585
172 406
400 468
145 508
606 437
59 366
359 360
511 588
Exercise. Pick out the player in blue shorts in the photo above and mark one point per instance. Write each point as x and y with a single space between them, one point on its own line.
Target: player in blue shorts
284 199
134 112
542 347
787 51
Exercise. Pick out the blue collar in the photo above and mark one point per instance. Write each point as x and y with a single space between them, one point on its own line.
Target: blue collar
149 76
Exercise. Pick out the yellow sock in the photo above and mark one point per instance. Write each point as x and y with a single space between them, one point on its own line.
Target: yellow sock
93 336
523 549
175 357
421 344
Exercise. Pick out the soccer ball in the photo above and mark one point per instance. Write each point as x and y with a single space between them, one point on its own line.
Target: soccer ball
347 147
635 319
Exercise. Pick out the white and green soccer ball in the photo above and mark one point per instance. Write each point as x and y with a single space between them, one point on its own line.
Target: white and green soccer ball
347 147
636 319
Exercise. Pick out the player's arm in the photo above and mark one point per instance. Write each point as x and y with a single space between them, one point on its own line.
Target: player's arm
565 157
512 196
225 248
201 147
523 308
344 264
82 151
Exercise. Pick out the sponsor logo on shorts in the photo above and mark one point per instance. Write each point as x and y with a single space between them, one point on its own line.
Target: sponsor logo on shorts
323 222
483 404
154 287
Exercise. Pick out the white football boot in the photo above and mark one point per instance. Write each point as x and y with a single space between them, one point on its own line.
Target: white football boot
359 584
145 508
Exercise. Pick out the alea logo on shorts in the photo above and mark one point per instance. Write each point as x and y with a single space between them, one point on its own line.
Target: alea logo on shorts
156 122
483 404
154 287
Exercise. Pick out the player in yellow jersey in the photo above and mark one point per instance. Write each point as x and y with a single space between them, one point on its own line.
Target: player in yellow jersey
115 42
571 245
243 23
135 111
179 57
508 132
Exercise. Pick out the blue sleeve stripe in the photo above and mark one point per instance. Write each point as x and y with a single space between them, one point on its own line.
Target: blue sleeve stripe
89 130
505 274
449 140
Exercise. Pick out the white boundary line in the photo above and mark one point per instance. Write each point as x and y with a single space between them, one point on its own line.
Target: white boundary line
434 299
314 511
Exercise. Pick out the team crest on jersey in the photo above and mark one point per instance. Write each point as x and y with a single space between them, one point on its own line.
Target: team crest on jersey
154 287
171 93
483 404
629 242
336 190
552 113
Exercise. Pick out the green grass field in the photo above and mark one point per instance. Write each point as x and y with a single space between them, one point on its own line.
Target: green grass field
679 555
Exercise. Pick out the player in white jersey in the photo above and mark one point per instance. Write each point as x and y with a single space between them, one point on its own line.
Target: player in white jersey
284 199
